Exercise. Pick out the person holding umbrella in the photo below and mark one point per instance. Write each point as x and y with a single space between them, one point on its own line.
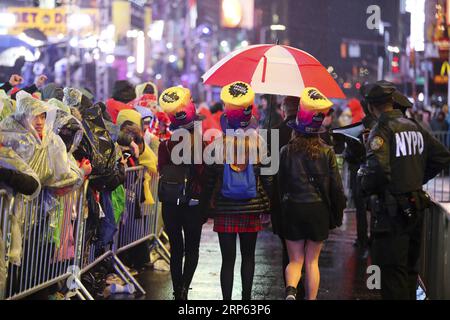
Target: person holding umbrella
238 194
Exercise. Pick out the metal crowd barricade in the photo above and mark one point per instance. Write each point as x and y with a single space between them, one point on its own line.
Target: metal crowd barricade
435 255
439 187
43 242
6 203
138 223
137 227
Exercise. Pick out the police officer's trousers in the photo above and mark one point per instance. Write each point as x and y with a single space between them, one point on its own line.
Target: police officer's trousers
396 250
360 203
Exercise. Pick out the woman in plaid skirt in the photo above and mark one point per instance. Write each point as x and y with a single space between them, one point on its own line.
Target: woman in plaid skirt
240 213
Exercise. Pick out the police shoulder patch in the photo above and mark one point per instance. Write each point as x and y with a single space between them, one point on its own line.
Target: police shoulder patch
376 143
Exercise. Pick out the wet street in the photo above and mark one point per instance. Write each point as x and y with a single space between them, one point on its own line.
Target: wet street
343 269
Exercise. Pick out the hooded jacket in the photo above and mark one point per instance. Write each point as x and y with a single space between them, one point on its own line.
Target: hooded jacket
140 88
147 158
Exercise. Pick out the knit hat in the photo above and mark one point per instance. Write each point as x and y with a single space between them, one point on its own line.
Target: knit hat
313 108
238 98
123 91
176 102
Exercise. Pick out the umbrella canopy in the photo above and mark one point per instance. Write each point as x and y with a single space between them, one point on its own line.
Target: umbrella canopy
273 69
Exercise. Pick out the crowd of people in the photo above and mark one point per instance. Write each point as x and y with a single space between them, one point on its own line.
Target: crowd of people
54 138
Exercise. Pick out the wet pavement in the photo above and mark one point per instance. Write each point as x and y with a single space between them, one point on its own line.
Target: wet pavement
342 267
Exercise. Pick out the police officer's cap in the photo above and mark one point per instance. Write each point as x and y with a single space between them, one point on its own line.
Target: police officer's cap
378 92
400 101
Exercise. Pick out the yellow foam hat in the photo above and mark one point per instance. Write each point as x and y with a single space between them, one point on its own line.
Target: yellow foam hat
237 95
130 115
174 99
313 100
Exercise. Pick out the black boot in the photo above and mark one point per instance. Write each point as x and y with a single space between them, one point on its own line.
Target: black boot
246 296
184 293
177 293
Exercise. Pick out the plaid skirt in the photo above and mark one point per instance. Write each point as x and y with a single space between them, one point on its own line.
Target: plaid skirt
237 223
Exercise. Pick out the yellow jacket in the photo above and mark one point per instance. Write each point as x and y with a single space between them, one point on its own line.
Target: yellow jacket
149 160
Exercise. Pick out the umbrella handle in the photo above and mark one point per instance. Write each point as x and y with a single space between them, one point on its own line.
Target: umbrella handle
269 127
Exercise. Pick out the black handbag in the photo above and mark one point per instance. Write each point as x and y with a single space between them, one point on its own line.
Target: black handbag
174 184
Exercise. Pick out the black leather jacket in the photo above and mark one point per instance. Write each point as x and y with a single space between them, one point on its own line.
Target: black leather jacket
293 178
258 205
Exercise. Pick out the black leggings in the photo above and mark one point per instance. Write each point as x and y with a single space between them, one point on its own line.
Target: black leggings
189 220
228 249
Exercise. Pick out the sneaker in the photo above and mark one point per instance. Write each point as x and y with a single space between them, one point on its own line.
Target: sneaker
291 293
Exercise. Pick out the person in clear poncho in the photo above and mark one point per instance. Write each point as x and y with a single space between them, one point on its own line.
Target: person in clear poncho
70 131
15 177
29 132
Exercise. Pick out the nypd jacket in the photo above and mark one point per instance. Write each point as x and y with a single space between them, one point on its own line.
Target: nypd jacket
401 156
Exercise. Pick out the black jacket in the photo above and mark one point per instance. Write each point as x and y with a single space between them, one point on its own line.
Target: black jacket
401 156
18 181
258 205
285 135
294 181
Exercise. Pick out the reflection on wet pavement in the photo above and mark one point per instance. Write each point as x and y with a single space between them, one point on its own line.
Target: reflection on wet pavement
342 266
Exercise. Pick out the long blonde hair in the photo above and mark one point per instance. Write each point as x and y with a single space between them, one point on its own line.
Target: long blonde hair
252 144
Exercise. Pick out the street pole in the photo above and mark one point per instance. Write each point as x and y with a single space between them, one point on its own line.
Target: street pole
426 89
448 82
101 69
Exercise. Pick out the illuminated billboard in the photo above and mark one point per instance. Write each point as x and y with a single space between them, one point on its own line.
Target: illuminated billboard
237 13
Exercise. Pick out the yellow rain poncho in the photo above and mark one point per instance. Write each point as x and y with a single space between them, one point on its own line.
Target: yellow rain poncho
147 158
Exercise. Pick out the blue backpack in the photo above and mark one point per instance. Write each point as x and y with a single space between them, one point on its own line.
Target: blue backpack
239 185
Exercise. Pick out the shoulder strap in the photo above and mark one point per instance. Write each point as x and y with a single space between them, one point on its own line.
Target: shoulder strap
318 186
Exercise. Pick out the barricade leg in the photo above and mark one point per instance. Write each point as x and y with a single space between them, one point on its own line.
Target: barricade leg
127 273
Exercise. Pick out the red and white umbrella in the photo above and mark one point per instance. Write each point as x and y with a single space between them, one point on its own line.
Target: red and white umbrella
273 69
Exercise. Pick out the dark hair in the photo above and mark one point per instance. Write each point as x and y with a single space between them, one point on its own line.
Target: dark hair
291 104
310 145
123 91
149 89
216 107
266 97
131 129
124 139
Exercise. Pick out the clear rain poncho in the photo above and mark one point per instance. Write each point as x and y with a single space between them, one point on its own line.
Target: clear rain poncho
10 160
7 105
47 157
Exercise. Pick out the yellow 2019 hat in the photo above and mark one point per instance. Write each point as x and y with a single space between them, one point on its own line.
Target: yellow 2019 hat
237 95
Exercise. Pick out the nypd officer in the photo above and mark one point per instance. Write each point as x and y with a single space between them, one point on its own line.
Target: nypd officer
401 157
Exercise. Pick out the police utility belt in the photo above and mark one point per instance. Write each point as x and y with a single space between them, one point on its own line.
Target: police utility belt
406 205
